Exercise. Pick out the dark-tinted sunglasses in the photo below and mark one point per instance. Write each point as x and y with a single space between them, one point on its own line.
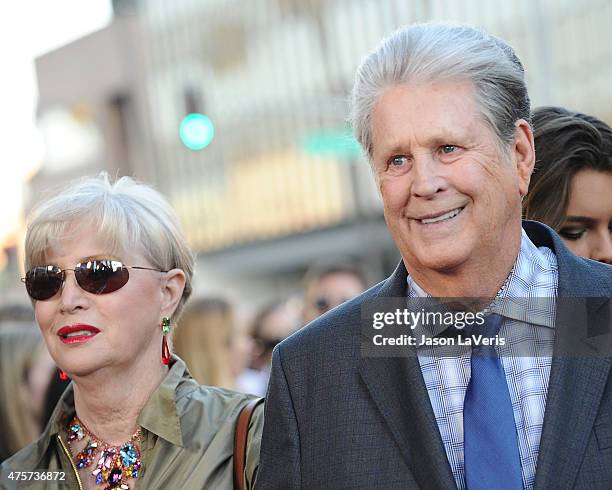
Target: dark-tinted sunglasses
94 276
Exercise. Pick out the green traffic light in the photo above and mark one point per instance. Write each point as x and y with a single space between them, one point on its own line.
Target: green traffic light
196 131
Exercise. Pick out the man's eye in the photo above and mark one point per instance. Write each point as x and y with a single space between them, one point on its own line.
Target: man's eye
572 233
446 149
398 161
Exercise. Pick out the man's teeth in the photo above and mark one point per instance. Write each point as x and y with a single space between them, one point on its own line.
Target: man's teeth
449 215
79 333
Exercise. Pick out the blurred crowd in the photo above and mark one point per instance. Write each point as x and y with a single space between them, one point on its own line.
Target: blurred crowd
30 385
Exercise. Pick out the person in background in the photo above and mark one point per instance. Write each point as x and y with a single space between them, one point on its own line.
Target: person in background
273 323
30 387
20 343
44 385
571 186
108 272
53 394
326 285
16 312
210 343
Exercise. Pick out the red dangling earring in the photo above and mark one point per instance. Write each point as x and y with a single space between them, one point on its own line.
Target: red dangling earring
62 374
165 357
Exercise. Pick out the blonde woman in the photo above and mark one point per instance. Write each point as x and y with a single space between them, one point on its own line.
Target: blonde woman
19 344
108 272
207 339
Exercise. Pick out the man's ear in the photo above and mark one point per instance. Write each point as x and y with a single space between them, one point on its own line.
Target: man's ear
172 290
523 153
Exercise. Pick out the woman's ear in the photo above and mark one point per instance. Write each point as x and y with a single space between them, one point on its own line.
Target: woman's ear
172 290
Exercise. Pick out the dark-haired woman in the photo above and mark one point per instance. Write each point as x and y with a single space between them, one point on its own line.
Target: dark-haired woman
571 187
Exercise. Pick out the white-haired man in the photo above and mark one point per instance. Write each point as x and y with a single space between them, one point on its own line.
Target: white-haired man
444 116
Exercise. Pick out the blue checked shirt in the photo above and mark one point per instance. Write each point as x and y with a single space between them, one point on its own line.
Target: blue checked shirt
528 330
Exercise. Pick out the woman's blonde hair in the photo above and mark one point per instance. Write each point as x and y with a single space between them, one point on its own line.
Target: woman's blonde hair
203 340
128 214
19 344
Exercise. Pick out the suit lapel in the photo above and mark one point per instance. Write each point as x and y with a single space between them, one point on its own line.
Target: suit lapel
396 385
578 379
579 372
574 393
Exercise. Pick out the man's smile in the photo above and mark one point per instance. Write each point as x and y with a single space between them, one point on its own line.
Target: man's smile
437 218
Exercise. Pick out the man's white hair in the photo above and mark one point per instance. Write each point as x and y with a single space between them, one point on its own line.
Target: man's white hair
430 52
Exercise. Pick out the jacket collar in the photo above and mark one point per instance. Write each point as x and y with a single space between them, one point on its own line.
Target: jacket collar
577 383
396 385
160 415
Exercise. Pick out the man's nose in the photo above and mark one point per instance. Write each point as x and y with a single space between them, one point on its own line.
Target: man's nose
427 178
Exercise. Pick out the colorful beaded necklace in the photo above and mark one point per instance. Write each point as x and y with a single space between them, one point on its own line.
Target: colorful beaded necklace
116 464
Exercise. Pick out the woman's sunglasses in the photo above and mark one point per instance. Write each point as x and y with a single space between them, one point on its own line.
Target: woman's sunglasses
95 276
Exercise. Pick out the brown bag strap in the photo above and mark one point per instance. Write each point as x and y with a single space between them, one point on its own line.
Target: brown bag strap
240 441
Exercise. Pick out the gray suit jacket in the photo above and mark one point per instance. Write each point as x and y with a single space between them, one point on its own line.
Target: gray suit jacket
335 419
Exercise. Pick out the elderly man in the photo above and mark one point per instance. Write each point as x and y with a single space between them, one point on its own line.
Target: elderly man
443 114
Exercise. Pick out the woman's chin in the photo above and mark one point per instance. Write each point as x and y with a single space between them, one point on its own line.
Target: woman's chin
79 369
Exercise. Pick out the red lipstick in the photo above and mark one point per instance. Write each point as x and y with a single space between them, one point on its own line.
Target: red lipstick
77 333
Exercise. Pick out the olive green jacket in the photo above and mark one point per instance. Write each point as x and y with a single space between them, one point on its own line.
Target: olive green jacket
188 440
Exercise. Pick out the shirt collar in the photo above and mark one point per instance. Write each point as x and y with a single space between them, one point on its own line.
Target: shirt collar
523 297
159 414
